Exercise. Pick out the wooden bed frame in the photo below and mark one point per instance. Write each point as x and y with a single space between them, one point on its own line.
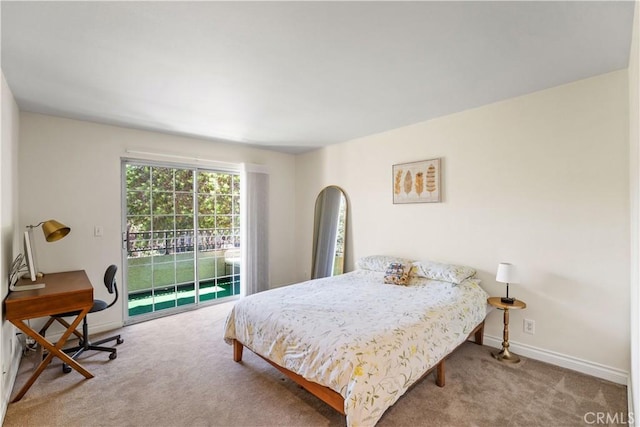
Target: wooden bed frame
333 398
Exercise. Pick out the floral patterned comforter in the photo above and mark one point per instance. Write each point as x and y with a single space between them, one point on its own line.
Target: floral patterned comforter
367 340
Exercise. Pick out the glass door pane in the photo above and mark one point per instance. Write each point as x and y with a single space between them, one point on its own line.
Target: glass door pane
219 249
160 235
182 237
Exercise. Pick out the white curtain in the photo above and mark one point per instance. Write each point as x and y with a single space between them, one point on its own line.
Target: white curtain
254 223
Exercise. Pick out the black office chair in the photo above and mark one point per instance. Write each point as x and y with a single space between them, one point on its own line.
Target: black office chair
98 305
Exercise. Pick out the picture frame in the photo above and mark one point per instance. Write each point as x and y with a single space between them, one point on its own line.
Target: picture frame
417 182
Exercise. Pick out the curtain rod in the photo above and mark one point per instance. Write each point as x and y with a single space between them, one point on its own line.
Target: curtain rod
177 156
248 167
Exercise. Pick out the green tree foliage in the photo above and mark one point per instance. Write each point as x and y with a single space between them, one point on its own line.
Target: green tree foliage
161 199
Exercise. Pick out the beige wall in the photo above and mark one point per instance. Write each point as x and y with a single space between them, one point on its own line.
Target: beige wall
8 221
70 170
541 181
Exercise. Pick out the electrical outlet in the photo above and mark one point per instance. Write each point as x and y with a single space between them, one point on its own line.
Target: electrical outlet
529 326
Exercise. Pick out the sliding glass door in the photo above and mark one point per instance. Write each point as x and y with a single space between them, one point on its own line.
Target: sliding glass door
182 237
218 221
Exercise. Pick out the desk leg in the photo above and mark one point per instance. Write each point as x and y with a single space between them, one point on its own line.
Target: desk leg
53 351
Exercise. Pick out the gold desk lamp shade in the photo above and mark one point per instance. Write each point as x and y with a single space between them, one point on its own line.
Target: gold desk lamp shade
53 230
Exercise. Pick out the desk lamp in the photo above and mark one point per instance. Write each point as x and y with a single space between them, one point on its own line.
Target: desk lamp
53 231
506 274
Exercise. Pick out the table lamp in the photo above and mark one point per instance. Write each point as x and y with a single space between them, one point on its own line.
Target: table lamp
53 231
506 274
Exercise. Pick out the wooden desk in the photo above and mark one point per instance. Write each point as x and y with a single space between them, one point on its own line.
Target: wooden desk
64 292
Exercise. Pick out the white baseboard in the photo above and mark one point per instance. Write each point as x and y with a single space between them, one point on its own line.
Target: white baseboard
586 367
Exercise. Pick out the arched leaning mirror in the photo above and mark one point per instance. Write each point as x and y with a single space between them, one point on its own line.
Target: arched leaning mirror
329 233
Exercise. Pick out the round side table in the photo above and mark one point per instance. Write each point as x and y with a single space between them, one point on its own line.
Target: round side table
504 355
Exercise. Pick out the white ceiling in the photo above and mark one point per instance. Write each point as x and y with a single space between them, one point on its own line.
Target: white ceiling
293 76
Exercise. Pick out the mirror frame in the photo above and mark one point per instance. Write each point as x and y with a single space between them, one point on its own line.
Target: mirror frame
330 223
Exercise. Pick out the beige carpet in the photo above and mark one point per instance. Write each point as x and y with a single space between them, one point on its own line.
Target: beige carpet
177 371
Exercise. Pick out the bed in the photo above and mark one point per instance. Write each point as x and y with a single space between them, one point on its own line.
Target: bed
357 342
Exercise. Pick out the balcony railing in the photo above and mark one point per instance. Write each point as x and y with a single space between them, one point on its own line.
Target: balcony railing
166 242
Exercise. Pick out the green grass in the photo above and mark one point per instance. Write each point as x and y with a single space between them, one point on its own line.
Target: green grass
167 281
151 272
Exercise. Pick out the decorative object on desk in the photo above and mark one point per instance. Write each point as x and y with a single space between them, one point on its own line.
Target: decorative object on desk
14 270
417 182
14 275
506 274
53 231
29 265
28 256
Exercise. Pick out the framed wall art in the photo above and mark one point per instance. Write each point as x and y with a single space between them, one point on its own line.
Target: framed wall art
417 182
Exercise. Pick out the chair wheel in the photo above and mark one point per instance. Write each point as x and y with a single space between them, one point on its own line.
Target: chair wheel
66 368
119 341
113 356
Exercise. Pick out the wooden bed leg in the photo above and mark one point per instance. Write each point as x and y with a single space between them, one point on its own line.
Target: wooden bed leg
440 374
479 336
237 351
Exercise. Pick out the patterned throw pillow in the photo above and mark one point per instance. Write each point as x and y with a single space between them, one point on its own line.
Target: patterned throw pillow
397 274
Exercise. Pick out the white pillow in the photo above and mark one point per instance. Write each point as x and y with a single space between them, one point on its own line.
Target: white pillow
443 272
379 262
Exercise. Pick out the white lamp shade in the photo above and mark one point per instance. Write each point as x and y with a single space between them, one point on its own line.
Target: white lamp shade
506 273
